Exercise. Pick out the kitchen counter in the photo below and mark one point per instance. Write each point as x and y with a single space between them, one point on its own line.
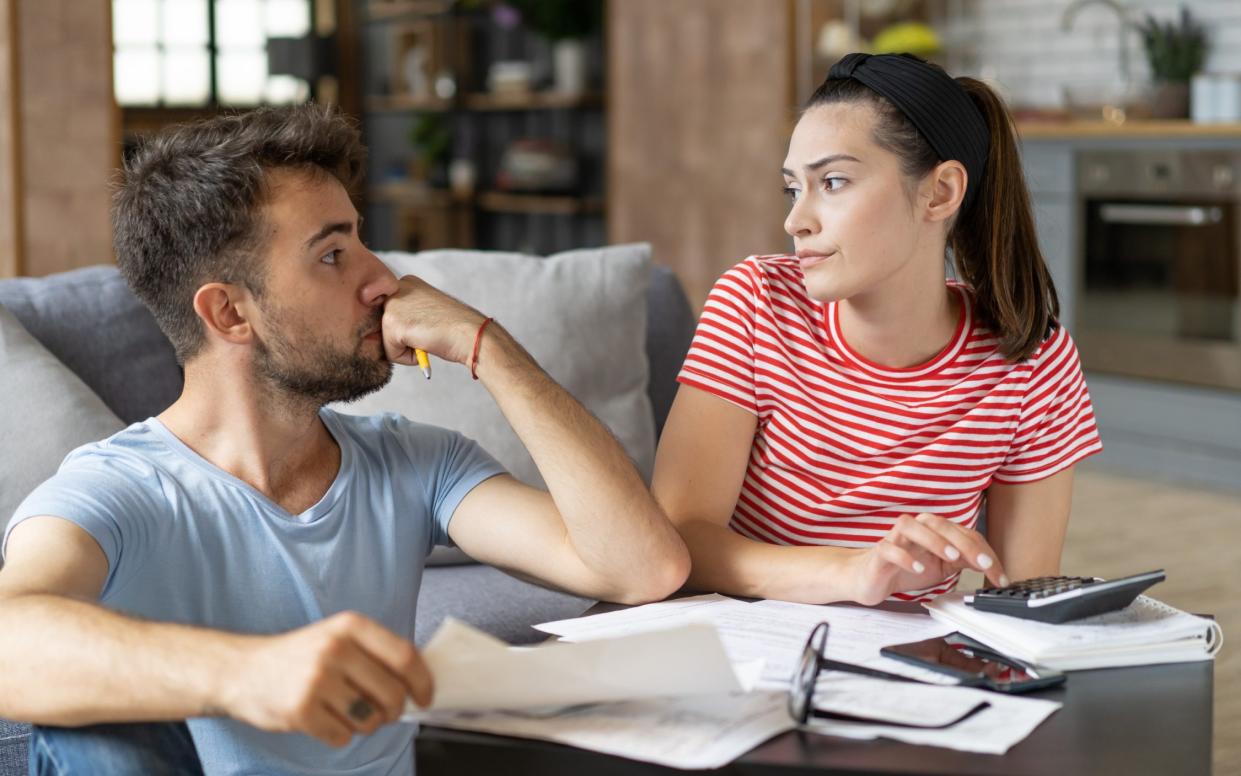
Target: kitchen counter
1171 128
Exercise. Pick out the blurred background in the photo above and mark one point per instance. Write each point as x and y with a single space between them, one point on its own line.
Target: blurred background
544 125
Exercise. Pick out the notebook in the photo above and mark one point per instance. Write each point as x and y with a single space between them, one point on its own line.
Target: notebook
1144 633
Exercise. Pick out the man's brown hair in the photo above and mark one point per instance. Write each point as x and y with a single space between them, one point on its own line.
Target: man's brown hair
186 209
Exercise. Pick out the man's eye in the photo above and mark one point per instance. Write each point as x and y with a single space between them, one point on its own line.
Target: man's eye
331 257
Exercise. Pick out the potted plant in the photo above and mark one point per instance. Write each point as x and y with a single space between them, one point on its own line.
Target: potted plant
1175 50
565 24
430 139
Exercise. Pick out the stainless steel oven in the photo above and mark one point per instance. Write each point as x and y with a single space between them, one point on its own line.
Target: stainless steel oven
1161 262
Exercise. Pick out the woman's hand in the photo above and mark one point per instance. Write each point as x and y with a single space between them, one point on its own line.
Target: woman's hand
919 552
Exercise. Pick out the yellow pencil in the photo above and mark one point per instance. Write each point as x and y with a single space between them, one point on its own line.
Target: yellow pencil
424 363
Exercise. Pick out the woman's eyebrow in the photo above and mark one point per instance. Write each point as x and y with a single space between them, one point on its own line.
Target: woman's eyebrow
823 163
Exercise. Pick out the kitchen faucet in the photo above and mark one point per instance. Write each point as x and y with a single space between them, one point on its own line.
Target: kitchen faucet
1122 28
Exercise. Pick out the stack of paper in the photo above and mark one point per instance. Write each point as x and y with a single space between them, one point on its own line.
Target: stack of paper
1005 722
670 696
703 731
475 671
774 632
671 682
1144 633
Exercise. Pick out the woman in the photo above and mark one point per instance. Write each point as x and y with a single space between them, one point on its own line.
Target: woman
845 412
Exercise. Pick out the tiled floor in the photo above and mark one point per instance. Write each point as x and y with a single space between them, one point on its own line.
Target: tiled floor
1122 525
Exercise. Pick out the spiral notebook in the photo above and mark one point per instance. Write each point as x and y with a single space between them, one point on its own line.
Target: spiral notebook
1144 633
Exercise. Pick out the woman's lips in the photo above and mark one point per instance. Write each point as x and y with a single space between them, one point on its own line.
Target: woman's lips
811 259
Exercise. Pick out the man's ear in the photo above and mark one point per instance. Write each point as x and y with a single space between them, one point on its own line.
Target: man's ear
225 311
946 184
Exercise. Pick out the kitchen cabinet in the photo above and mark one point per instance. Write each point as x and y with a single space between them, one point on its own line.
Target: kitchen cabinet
1149 427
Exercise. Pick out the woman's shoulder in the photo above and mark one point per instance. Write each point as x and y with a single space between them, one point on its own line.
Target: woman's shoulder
765 274
1057 351
769 263
1057 345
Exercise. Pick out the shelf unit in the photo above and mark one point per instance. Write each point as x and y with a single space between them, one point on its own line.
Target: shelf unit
408 214
385 10
483 101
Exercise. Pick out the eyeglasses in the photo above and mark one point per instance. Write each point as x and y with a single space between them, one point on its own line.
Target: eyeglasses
814 659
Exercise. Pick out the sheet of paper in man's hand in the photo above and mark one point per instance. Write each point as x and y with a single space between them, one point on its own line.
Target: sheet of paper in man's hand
474 671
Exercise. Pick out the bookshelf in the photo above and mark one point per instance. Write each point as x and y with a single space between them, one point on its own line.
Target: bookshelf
453 159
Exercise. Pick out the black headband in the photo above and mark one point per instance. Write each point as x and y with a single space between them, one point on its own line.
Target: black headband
932 101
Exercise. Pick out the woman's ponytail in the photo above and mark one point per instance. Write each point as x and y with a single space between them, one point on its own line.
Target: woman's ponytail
994 243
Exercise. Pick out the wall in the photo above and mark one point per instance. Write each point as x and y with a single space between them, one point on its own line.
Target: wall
10 177
700 101
1021 44
59 135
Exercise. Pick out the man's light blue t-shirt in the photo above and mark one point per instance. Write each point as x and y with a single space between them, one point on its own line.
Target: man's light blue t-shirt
187 542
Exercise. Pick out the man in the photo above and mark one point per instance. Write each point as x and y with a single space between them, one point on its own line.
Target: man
250 560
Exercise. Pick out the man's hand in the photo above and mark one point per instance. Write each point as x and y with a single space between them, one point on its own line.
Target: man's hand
331 679
420 316
919 552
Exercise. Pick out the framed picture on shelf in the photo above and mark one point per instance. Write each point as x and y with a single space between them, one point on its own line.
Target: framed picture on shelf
417 55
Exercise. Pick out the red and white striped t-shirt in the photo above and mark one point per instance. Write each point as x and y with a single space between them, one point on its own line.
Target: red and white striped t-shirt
844 446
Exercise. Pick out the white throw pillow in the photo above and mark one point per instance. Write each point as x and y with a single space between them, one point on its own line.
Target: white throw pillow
581 314
48 412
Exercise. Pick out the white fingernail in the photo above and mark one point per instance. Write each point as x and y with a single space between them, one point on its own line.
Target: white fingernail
918 567
1004 582
984 560
952 552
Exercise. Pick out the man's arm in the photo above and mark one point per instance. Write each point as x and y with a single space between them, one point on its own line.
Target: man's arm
597 531
68 661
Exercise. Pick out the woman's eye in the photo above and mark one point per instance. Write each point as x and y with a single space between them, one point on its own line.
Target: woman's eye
791 193
834 184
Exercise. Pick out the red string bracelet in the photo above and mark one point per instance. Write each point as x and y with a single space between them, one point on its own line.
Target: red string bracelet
478 342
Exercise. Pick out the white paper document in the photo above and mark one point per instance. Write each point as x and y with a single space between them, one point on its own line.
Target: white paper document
857 633
772 631
475 671
704 731
636 619
1143 633
994 730
899 703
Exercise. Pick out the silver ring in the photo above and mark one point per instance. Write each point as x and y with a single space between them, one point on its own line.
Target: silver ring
360 709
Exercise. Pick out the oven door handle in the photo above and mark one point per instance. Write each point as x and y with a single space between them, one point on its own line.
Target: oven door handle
1160 215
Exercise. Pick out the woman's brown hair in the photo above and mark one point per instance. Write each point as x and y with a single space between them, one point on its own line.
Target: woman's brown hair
993 242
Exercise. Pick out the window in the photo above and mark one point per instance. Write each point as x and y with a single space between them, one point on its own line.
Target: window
195 53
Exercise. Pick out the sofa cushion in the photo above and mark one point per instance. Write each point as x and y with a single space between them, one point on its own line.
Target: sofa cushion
582 316
90 320
48 411
491 601
670 327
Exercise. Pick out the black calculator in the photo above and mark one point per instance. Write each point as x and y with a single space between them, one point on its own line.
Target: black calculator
1060 599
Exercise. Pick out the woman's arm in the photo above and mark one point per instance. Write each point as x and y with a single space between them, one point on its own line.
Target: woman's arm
1026 524
699 469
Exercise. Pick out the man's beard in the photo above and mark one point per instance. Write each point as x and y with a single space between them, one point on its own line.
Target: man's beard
316 371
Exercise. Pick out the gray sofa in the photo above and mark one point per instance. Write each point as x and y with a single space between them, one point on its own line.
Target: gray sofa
93 324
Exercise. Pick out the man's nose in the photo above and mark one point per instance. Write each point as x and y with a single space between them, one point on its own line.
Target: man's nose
381 284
